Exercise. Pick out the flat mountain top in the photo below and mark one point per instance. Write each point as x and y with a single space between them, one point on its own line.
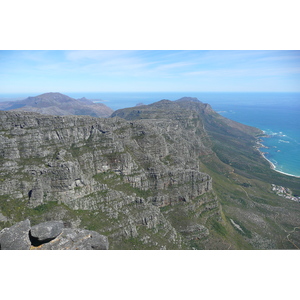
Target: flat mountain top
58 104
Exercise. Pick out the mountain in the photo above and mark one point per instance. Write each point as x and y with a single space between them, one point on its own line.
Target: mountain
58 104
169 175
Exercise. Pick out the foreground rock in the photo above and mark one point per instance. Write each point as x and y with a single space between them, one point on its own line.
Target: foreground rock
46 231
16 237
50 236
76 239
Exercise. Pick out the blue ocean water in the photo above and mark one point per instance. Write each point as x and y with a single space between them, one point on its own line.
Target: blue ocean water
280 121
278 114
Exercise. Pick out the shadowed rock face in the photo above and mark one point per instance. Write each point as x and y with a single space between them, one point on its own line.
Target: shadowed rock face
50 236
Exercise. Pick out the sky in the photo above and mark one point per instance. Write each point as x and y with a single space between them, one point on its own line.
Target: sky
41 71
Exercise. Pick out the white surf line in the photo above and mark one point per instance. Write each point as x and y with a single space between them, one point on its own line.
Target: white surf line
273 167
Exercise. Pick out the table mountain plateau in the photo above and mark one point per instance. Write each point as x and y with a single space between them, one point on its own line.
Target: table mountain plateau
169 175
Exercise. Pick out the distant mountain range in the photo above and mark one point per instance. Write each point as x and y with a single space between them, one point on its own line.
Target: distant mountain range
59 105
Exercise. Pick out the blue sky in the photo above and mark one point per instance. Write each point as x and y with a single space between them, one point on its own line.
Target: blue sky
149 71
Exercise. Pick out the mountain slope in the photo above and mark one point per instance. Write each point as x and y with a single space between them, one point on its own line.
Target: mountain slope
170 175
242 178
108 175
58 104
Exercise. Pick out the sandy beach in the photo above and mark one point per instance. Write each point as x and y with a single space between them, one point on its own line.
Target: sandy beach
273 167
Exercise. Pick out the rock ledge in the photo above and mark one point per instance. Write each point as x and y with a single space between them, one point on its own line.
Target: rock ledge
50 235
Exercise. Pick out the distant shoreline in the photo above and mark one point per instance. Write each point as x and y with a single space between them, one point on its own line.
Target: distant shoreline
272 166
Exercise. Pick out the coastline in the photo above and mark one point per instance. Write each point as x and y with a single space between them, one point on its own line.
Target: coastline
272 166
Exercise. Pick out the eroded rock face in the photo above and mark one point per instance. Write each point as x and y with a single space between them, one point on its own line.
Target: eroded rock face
68 158
123 170
50 236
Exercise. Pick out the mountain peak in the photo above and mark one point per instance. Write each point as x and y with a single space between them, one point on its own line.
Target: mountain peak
52 96
54 103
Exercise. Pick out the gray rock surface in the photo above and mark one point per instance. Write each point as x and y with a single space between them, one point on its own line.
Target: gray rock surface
67 158
46 231
75 239
52 236
16 237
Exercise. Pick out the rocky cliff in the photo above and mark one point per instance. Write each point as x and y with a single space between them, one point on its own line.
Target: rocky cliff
123 171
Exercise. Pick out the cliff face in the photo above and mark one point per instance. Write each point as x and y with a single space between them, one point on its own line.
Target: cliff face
252 216
69 157
125 171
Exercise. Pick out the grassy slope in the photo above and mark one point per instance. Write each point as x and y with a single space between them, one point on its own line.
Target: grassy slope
243 185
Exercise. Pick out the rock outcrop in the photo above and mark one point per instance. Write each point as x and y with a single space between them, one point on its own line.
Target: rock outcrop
16 237
50 236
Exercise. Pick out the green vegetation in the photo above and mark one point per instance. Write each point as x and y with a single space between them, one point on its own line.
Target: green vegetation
219 228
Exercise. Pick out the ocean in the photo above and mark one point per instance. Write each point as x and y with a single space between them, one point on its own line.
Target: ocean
277 114
280 120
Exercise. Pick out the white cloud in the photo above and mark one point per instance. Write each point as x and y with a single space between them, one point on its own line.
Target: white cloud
98 55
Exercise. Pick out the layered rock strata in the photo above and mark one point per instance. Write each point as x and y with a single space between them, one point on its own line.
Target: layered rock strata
67 158
123 170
